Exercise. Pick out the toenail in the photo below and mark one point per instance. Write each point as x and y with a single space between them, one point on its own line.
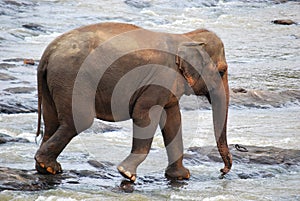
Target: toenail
128 174
120 168
49 169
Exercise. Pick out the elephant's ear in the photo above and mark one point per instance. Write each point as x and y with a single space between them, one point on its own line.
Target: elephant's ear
182 56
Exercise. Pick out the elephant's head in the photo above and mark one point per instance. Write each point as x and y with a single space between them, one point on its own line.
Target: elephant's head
206 77
197 68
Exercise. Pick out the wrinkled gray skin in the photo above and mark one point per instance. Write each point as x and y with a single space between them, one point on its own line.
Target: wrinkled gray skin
198 67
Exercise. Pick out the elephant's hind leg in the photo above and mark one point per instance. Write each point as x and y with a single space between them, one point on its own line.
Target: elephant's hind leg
48 152
51 125
50 118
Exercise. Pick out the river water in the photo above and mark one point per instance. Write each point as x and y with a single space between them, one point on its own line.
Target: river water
263 59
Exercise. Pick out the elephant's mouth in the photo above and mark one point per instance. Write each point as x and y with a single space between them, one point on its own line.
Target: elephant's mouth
208 98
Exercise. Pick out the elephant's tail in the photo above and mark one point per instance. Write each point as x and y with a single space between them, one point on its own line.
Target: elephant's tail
40 80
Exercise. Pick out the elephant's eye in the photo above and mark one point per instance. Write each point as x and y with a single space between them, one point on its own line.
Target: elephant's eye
222 73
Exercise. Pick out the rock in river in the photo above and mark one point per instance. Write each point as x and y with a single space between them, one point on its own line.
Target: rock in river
33 26
284 22
252 155
6 138
7 65
6 77
18 90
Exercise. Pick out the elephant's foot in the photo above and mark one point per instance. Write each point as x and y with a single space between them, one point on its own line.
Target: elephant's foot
177 173
47 166
128 173
128 167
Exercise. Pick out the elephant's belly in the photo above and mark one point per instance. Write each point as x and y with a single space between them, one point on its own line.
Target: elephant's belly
110 117
113 112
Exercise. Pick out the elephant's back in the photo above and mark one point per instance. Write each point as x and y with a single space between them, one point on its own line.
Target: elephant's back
75 45
66 54
93 34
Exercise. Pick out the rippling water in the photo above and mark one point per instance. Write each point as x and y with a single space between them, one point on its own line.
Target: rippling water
263 58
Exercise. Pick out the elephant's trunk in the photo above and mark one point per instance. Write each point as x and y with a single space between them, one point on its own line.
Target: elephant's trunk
219 100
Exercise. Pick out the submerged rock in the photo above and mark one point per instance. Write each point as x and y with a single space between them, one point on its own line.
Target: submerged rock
12 107
138 3
7 138
239 90
255 155
30 180
18 90
249 162
14 60
33 26
240 97
13 179
15 3
7 65
284 22
6 77
99 165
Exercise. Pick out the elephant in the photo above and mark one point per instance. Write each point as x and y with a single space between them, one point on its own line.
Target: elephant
116 71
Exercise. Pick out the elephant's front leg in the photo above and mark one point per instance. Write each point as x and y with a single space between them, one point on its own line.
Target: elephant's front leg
170 125
145 122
